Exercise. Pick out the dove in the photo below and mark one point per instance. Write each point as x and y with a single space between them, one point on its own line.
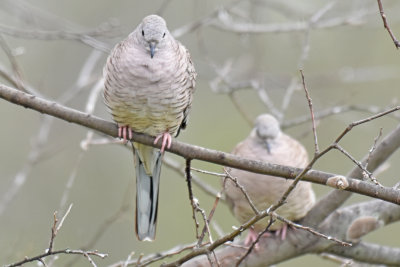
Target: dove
268 143
149 81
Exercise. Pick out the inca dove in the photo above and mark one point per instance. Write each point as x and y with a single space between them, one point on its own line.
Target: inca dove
267 143
149 84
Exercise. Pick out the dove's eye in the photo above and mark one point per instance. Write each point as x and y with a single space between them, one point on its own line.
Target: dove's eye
142 32
163 35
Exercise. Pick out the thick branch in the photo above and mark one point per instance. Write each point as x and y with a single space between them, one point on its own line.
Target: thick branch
336 198
370 253
195 152
300 242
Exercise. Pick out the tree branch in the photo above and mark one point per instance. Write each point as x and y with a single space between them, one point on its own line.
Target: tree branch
336 198
214 156
370 253
386 25
299 242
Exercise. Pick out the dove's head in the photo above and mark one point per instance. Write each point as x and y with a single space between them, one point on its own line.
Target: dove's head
153 33
267 127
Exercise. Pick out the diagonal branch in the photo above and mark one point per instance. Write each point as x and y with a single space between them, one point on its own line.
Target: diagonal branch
381 153
386 25
302 242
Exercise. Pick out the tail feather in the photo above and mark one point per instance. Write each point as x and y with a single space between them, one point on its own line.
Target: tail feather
147 188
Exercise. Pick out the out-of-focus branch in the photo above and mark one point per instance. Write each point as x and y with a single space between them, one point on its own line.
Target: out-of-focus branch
204 154
227 23
370 253
87 37
333 111
38 151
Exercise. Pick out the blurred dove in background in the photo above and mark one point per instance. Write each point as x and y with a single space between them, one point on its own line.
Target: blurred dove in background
267 143
149 85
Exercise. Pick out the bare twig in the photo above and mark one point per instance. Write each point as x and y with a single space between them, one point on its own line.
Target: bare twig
202 21
208 172
147 260
254 244
311 230
366 173
49 252
175 166
316 149
235 181
373 148
14 64
41 139
63 219
193 201
333 111
206 227
226 23
337 259
386 25
64 251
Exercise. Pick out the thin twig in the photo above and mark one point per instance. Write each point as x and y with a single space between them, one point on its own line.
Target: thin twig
49 252
337 259
206 227
372 177
88 37
63 218
193 202
254 244
14 64
311 230
386 25
226 23
178 168
333 111
235 181
366 173
147 260
316 148
208 172
64 251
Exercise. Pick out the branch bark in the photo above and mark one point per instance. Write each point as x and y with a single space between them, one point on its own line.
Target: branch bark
371 253
301 242
225 159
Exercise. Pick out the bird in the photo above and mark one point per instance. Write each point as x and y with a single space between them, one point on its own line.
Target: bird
149 81
266 142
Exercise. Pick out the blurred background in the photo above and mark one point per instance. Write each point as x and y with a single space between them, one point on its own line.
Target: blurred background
247 54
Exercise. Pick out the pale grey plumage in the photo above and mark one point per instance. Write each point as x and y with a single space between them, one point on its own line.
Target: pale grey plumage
149 84
267 143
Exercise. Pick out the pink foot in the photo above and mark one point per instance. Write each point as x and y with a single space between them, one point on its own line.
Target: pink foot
252 237
282 232
166 140
124 132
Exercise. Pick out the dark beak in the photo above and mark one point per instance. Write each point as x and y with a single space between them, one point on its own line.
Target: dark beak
152 49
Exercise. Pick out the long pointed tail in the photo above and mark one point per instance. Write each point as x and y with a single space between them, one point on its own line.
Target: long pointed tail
147 188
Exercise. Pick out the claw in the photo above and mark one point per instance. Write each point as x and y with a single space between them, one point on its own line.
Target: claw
252 237
166 141
122 133
282 232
